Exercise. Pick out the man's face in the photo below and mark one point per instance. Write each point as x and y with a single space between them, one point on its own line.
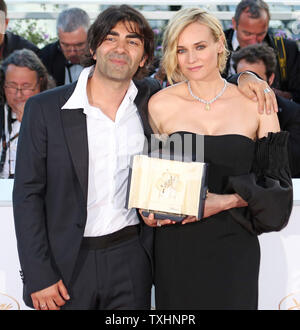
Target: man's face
258 67
73 44
120 54
251 30
20 84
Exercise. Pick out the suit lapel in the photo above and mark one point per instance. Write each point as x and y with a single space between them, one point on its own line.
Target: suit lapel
141 102
74 123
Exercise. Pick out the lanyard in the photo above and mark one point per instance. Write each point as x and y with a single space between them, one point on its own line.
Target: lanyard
6 144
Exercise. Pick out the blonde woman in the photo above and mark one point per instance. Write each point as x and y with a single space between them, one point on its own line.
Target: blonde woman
213 263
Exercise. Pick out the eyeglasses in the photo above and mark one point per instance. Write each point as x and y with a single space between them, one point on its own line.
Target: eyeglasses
70 47
26 91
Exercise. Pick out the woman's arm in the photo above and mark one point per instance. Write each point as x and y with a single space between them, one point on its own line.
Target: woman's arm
267 124
268 189
216 203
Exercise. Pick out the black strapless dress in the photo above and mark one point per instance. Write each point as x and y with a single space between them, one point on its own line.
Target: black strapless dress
214 263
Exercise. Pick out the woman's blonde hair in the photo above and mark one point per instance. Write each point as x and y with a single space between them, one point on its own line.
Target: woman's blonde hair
176 25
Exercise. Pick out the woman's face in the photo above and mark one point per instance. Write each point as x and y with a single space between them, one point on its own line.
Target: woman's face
197 52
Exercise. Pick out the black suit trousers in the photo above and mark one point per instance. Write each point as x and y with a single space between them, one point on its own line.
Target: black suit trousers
114 278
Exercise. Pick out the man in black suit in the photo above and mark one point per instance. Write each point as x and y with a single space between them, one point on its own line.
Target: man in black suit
62 58
78 246
8 40
250 26
261 59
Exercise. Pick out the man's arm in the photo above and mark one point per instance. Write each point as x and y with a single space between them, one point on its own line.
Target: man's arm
256 89
29 201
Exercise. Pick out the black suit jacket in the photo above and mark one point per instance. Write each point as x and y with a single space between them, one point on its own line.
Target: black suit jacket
55 62
13 42
292 83
289 119
51 184
1 120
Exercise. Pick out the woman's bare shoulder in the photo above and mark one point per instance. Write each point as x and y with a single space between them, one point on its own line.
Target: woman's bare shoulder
238 97
166 97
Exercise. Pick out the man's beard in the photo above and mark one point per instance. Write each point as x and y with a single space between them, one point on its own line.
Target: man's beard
118 72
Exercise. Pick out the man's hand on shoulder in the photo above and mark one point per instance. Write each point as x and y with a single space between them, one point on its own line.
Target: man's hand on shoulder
257 89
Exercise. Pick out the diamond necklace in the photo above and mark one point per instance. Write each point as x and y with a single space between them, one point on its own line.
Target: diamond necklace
207 103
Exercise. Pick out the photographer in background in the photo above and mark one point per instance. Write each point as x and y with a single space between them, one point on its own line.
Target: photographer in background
62 58
22 75
250 26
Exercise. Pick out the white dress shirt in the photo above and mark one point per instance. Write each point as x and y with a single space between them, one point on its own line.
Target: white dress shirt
12 140
111 145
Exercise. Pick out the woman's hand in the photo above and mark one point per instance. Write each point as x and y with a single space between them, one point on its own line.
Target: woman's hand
150 221
189 219
215 203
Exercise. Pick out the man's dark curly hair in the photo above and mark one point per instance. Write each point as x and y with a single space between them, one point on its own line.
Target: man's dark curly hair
256 53
108 19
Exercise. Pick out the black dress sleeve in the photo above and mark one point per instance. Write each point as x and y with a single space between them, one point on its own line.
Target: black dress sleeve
268 188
